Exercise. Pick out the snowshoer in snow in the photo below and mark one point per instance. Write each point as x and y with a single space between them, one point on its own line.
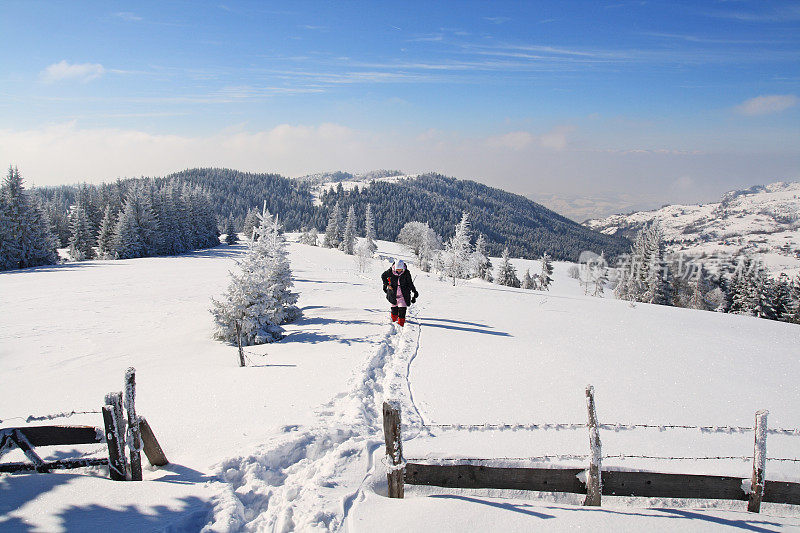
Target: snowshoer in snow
398 286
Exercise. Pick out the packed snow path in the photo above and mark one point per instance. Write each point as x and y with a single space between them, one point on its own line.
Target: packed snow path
305 478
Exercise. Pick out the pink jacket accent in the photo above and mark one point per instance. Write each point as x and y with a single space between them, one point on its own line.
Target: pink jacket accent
401 302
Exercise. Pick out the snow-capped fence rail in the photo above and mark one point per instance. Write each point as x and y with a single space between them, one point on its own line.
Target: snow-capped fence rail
28 438
113 434
595 481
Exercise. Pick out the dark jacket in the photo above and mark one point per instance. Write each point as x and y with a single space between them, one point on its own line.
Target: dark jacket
390 280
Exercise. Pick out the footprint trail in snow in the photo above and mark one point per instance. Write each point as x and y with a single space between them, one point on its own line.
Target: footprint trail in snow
308 478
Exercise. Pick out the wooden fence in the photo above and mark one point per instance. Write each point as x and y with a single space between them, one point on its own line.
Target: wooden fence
593 481
113 434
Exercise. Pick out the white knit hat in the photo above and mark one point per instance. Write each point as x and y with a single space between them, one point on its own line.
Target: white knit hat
399 265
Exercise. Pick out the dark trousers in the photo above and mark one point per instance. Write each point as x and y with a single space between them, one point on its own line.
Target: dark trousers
399 311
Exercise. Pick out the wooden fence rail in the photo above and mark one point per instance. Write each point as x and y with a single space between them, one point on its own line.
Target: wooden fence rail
594 481
27 438
615 483
113 434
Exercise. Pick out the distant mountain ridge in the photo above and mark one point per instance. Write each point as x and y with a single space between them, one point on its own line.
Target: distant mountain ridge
763 220
506 219
528 229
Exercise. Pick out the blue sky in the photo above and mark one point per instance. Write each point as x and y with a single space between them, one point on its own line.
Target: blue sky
659 101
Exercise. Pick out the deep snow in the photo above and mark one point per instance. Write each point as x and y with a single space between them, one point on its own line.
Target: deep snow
294 441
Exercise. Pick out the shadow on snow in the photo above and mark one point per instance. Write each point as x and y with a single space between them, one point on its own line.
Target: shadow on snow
188 514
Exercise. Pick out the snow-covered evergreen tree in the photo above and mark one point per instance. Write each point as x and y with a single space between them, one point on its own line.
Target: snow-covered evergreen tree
655 278
528 281
349 236
136 233
761 292
793 312
26 240
457 251
80 244
751 291
230 232
105 237
484 268
506 273
369 224
698 288
250 223
599 276
545 278
259 297
364 251
169 214
369 232
333 230
310 237
7 244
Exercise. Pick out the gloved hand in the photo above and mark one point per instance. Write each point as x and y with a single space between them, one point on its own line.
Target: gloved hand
413 299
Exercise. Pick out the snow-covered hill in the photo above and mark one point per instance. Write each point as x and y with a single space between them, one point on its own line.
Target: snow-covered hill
294 442
763 221
322 182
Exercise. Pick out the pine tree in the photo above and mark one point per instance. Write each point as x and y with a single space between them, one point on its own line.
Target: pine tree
782 297
793 312
7 244
258 298
698 288
761 293
656 275
369 224
739 287
105 238
309 237
527 280
599 276
250 223
547 271
333 230
484 264
169 215
136 233
349 237
27 240
80 245
369 232
457 251
507 274
230 233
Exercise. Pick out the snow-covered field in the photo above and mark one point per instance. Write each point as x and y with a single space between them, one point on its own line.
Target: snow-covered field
294 441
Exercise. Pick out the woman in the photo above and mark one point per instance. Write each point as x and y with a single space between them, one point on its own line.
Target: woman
398 286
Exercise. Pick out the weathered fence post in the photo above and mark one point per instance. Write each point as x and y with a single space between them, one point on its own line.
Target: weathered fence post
759 462
116 461
594 483
114 401
135 443
239 342
394 449
152 449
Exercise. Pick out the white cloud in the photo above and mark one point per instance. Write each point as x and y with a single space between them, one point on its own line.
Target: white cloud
556 138
767 104
63 70
519 161
127 15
